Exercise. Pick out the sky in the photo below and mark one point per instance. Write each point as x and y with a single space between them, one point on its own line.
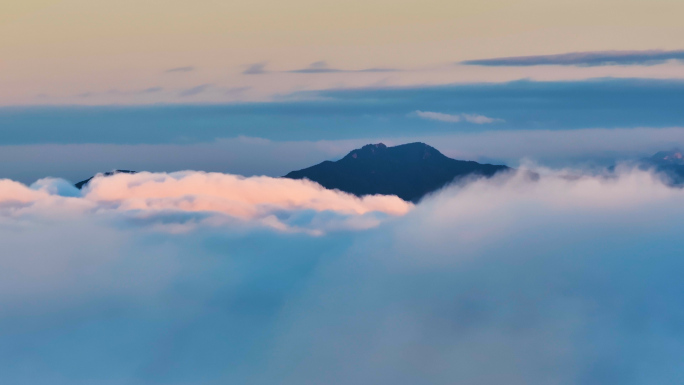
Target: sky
206 267
148 51
593 122
267 87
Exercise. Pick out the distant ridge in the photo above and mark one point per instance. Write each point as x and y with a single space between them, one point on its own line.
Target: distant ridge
409 171
82 183
668 163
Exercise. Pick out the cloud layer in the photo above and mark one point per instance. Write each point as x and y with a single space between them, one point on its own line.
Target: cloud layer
570 279
587 59
355 113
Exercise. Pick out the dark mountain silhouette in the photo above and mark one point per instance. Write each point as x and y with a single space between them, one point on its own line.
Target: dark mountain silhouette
409 171
668 163
82 183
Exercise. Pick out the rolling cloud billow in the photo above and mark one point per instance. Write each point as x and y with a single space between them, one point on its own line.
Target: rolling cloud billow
197 278
586 59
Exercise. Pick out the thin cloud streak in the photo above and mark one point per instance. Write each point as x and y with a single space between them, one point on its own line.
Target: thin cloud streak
585 59
181 69
195 90
322 67
116 92
456 118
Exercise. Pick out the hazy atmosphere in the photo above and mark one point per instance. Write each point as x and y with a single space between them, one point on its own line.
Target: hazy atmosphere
341 192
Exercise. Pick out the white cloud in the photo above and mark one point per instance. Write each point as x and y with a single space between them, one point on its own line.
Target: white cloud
507 280
480 119
451 118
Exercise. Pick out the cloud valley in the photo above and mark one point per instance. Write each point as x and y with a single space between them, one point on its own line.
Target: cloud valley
196 278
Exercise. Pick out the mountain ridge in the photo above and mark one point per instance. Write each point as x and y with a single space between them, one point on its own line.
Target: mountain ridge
410 171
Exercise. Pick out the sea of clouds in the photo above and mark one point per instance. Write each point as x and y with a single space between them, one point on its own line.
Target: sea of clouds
207 278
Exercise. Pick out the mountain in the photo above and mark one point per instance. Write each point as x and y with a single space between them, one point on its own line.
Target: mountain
409 171
668 163
668 158
82 183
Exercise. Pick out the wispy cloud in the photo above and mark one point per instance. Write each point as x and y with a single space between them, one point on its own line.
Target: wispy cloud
118 92
235 91
316 68
456 118
181 69
321 67
256 69
586 59
194 90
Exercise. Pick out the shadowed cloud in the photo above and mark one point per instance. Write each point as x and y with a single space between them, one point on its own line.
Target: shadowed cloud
585 59
256 69
194 90
118 92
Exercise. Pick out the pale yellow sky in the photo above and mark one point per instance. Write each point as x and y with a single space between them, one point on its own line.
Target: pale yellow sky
52 51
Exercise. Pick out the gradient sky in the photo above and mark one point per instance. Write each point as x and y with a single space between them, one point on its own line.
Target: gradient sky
149 51
89 85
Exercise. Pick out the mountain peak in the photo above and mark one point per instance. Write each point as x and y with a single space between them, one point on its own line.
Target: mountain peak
83 183
374 146
367 151
409 171
668 157
412 152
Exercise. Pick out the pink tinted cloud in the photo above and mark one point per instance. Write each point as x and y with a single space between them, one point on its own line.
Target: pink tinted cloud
202 199
15 192
237 196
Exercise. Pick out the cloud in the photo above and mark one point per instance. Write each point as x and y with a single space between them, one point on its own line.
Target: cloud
500 283
506 280
236 91
451 118
587 59
240 197
316 68
282 204
256 69
439 116
117 92
321 67
181 69
193 91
